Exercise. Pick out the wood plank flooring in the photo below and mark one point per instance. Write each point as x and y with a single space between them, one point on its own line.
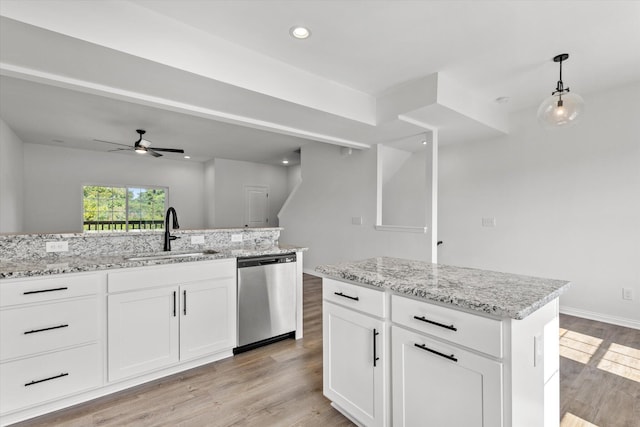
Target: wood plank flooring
281 384
599 374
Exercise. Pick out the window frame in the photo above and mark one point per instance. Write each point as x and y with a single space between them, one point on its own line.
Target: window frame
127 188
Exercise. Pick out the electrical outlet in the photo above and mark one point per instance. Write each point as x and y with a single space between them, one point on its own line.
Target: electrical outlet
57 246
197 240
627 293
489 221
236 237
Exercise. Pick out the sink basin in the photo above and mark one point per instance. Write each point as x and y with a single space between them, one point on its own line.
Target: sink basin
170 256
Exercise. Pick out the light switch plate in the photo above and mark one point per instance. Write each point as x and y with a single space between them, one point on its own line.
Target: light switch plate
357 220
236 237
489 221
57 246
197 240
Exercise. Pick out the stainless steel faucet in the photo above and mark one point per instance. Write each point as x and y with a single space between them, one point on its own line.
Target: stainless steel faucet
167 235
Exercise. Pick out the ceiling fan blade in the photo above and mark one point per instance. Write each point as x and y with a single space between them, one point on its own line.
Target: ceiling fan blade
120 149
109 142
170 150
153 153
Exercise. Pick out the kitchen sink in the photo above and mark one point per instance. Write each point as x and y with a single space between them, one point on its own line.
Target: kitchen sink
169 256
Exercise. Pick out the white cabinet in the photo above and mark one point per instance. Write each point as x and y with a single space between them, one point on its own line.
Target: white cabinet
156 327
208 317
355 361
440 385
447 367
51 340
143 331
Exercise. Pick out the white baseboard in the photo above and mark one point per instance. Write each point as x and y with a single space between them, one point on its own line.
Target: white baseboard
620 321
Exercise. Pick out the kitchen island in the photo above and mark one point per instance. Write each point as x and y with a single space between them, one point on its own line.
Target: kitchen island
410 343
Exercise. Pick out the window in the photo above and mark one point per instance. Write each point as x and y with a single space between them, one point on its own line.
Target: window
123 208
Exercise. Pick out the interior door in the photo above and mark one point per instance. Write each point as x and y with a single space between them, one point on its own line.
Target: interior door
256 206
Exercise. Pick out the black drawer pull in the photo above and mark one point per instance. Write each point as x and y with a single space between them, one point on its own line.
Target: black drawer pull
442 325
423 347
46 379
174 303
375 351
33 331
184 302
340 294
45 290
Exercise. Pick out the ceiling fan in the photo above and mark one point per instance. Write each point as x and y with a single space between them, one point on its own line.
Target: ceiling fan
142 146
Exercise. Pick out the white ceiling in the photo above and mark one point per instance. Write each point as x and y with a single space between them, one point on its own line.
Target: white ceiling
225 79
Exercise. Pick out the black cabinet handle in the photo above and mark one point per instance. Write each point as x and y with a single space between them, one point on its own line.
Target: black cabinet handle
442 325
184 302
340 294
45 290
33 331
174 303
446 356
375 351
46 379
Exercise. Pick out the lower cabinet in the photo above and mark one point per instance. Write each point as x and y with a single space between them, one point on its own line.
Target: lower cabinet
143 331
446 367
153 328
51 345
49 376
435 384
354 363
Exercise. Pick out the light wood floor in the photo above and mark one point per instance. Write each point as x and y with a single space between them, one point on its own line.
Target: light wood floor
281 385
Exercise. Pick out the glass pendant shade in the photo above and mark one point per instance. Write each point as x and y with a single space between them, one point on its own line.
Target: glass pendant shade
560 110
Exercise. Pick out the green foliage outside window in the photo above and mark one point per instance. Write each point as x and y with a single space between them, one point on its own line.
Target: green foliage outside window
123 209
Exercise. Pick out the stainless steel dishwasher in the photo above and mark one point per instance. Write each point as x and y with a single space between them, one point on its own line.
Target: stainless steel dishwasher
266 300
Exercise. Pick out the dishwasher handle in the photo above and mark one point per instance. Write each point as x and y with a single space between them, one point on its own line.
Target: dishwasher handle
266 260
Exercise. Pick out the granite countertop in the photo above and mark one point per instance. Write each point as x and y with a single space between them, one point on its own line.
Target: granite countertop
46 267
488 292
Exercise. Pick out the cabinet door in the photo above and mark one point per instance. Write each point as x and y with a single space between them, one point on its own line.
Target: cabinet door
440 385
143 331
354 363
207 317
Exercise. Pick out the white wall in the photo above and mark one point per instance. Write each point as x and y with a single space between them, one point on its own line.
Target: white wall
566 203
334 189
11 181
209 194
406 195
230 178
294 177
54 177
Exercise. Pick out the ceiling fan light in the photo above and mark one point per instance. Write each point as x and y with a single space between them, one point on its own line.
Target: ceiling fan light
140 149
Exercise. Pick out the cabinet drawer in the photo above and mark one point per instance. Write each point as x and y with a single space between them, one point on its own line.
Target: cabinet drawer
38 379
47 289
437 384
170 275
367 300
470 330
45 327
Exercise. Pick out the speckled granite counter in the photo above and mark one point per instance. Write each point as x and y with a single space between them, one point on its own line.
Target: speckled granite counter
500 294
77 264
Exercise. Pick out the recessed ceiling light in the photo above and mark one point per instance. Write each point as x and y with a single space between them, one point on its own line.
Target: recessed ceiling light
187 157
285 162
299 32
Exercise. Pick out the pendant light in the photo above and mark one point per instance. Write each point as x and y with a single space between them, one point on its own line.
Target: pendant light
562 108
